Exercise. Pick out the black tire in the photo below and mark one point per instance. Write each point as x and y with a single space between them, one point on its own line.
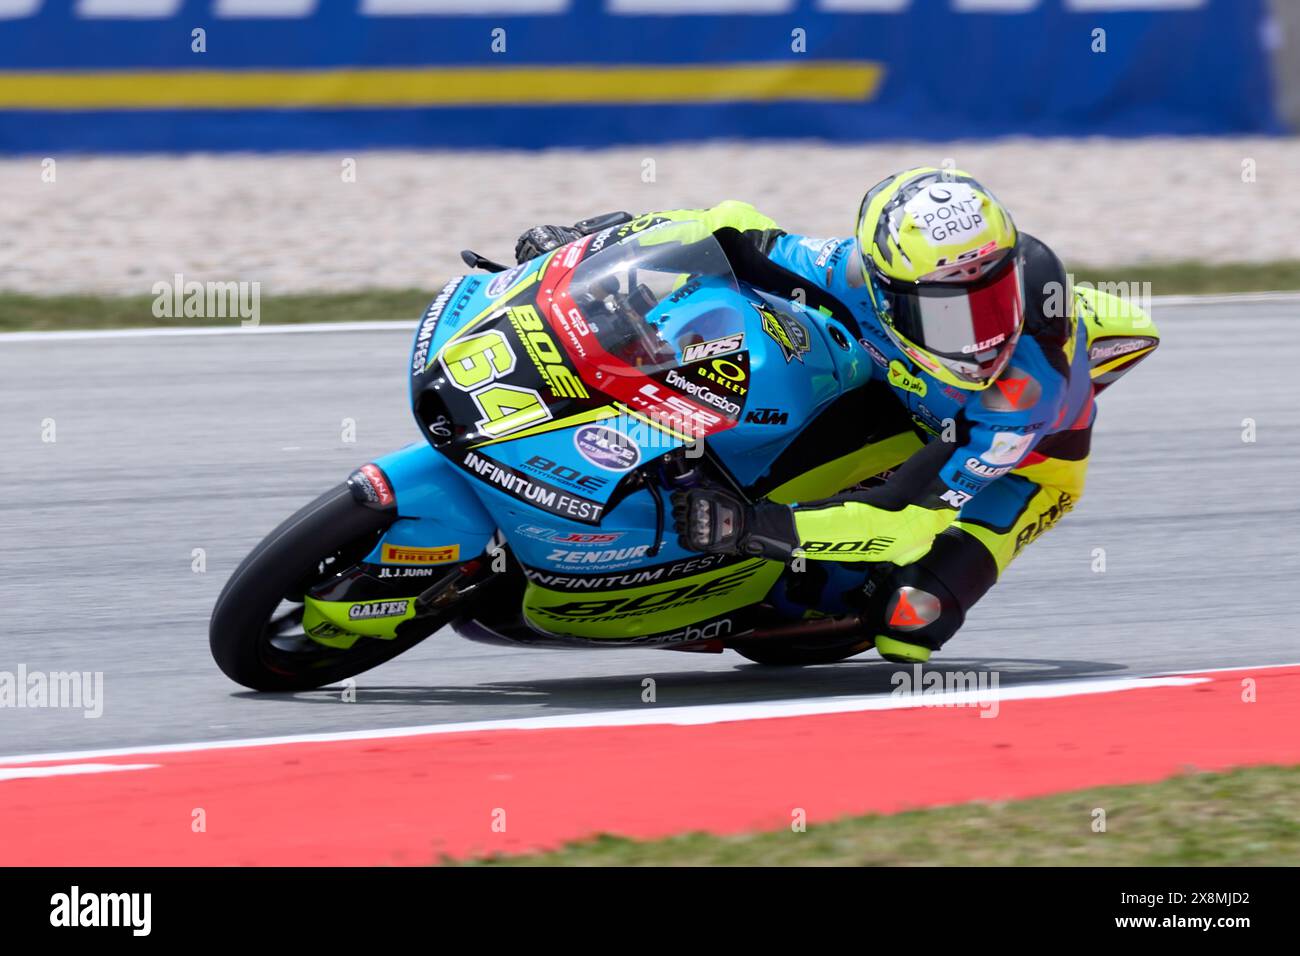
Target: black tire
331 533
783 653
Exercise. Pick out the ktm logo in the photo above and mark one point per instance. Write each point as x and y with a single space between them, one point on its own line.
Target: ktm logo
767 416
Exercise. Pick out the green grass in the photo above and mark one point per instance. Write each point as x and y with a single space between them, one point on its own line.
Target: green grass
29 312
1197 278
1243 818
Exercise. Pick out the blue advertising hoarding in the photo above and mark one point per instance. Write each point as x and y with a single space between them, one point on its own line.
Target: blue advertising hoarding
346 74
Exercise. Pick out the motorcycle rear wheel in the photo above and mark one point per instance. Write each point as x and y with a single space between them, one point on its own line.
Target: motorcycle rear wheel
796 653
254 646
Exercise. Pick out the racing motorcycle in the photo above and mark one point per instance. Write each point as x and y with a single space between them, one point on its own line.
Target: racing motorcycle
561 402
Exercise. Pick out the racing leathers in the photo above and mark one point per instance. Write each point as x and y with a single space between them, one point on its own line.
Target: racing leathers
961 480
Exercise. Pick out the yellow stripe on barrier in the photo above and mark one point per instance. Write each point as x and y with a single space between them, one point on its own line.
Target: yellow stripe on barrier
441 86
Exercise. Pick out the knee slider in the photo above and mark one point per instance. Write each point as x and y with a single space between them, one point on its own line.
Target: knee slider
926 602
919 608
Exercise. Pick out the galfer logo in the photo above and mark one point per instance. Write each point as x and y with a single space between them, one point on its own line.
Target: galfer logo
375 609
301 9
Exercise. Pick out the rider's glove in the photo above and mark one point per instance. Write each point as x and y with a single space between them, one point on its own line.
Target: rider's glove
540 240
716 521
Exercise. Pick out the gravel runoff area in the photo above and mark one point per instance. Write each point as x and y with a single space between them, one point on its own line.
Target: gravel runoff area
331 222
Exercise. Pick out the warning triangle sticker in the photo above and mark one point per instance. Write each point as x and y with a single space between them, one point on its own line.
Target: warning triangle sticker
1012 389
904 614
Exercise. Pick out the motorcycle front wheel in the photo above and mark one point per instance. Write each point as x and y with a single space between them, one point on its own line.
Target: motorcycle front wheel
256 632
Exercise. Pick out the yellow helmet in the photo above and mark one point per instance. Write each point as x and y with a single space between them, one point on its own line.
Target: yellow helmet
942 262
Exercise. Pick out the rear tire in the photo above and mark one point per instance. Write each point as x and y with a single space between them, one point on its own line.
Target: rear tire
782 653
328 535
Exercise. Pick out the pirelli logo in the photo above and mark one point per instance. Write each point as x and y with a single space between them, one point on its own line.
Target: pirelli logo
398 554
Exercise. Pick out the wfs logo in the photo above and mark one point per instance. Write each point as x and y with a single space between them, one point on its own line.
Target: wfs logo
300 9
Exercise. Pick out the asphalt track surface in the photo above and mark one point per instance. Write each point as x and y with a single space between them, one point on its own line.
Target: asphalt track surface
168 444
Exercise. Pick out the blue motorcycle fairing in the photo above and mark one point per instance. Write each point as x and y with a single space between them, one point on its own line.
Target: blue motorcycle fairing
511 406
584 519
802 367
463 299
557 469
436 508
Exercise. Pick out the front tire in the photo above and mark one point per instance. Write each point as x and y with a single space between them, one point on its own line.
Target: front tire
249 642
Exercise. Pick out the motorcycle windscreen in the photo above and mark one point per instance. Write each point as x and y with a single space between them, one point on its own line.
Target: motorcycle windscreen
640 318
566 386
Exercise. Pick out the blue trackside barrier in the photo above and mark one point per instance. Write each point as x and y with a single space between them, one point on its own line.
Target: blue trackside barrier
113 75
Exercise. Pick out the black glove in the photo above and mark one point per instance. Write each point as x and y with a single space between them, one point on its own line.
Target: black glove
716 521
540 240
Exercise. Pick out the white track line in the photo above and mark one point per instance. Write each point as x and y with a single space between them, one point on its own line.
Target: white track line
662 716
1226 670
70 769
1227 298
8 338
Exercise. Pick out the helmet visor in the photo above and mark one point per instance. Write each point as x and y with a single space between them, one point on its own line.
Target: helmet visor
971 329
